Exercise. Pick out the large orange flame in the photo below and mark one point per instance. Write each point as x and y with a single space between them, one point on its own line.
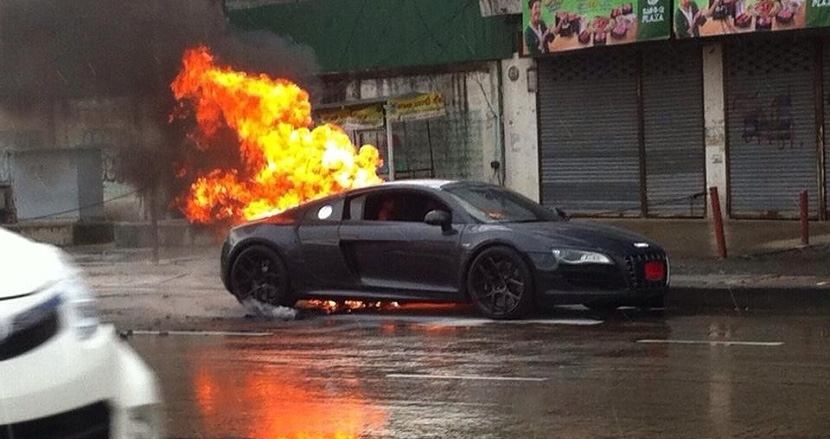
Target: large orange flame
285 161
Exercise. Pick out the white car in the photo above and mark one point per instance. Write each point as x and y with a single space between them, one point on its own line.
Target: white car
62 374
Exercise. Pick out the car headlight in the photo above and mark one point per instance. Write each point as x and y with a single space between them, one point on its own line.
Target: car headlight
81 306
569 256
144 422
80 302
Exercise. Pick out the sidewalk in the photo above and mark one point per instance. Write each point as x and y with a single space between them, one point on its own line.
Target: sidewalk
779 275
773 265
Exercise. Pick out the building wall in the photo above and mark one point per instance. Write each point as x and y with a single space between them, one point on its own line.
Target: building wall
467 139
521 140
20 132
714 113
112 125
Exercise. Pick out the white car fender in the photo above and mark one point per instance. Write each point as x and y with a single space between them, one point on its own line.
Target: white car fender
136 387
136 399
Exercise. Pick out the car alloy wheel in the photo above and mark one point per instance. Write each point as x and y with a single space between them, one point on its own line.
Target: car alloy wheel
499 283
259 273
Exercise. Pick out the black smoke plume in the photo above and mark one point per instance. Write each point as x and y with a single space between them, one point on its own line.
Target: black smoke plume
52 51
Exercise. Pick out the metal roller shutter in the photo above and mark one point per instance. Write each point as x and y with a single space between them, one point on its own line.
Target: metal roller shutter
588 130
826 100
674 130
771 126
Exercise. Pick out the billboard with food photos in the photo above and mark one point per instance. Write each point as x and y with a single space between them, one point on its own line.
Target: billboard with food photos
695 18
558 25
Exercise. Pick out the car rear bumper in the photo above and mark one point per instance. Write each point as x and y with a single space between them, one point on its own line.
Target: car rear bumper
91 384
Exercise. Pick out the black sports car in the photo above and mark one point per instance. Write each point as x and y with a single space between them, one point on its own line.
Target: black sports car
432 240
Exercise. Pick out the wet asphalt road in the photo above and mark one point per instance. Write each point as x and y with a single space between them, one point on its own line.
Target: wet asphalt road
438 373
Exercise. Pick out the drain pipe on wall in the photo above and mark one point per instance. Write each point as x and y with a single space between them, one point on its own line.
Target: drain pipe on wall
389 137
499 132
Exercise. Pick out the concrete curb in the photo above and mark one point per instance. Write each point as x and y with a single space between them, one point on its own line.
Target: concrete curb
791 299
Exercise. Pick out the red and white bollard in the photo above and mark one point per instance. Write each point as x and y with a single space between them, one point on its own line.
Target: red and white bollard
717 219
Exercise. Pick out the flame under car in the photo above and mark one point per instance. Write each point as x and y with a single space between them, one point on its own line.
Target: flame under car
434 240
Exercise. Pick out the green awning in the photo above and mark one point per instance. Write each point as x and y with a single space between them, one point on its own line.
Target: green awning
359 35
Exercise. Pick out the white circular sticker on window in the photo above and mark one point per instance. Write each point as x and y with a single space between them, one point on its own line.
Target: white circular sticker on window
324 212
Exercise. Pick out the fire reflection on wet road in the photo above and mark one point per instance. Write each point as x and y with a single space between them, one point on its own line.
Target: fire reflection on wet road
290 403
376 375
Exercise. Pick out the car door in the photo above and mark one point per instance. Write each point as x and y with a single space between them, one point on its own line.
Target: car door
321 262
401 253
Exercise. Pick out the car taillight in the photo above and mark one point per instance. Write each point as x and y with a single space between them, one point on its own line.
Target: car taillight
655 270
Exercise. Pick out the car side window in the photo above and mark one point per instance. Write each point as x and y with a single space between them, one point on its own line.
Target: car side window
400 206
355 207
328 212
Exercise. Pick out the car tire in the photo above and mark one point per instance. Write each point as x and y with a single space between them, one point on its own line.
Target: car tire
500 284
259 273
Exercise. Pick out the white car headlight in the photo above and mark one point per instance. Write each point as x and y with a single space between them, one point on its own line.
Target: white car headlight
79 300
81 306
569 256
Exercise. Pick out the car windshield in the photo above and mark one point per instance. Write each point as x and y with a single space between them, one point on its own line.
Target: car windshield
492 204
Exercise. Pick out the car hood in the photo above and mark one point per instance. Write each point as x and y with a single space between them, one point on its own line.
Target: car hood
589 236
27 266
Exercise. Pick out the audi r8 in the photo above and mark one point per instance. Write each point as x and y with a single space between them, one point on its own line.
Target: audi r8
435 240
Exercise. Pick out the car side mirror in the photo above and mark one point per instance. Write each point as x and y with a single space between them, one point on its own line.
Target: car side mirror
439 218
562 214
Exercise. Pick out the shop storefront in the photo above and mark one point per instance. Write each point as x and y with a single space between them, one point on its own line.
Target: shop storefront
621 131
432 125
774 111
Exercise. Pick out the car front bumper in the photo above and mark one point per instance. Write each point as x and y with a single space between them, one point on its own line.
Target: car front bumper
66 375
621 282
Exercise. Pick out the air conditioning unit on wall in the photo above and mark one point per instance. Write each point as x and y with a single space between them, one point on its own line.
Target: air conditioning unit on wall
490 8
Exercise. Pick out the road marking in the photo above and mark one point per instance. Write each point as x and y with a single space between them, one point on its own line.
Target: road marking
202 333
420 402
481 322
571 322
462 377
715 342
